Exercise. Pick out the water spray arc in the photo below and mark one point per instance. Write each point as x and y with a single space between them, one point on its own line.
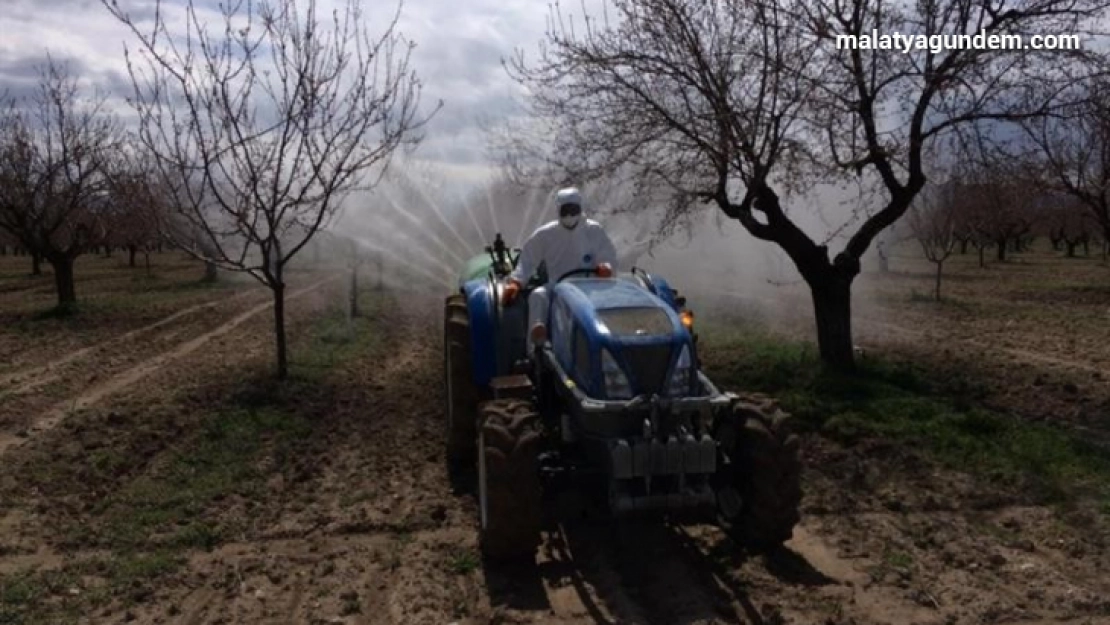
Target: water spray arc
533 218
492 212
420 227
434 205
441 279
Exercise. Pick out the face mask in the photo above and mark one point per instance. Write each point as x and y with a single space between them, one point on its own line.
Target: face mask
570 222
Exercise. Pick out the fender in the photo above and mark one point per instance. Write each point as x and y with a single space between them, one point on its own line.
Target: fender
483 330
656 285
663 291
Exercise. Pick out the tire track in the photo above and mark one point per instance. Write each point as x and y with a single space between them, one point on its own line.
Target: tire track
32 376
643 572
57 414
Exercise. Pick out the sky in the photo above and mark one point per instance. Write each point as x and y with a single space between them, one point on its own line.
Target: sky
460 46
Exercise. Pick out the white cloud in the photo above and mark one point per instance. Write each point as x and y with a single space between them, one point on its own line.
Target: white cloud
459 47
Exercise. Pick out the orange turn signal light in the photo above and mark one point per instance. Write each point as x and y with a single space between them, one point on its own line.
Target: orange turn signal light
605 270
687 319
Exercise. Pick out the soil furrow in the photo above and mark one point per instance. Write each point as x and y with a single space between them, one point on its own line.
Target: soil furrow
55 415
41 375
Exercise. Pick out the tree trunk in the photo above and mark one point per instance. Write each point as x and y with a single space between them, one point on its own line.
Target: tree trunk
210 272
1071 249
279 329
982 256
36 264
963 246
354 290
146 257
1001 244
107 251
940 267
832 307
1086 247
131 251
63 281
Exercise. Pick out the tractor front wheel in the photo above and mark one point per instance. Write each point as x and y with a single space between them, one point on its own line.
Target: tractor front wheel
509 491
758 481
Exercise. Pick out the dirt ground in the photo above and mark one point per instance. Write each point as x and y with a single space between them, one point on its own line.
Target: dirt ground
153 474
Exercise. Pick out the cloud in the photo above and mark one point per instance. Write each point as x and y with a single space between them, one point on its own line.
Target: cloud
460 45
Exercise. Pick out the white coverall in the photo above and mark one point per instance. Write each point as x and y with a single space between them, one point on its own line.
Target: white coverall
563 249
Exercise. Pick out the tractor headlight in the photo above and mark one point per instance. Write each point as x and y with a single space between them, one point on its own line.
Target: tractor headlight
680 378
616 382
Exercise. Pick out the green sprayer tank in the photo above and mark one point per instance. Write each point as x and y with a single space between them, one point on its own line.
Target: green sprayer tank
498 259
476 267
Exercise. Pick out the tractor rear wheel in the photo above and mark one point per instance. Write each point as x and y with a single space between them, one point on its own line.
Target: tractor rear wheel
461 398
510 499
758 481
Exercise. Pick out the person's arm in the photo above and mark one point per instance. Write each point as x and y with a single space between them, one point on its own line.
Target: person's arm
526 265
606 251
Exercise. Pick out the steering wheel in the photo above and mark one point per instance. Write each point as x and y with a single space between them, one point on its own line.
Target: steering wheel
585 271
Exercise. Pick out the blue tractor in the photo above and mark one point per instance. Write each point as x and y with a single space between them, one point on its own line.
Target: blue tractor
609 402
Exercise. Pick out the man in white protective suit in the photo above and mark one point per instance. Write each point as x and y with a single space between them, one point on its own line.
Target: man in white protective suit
569 243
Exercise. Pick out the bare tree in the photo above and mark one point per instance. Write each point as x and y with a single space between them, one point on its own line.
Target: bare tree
56 150
1072 150
972 228
261 124
933 225
136 210
732 103
9 243
1005 206
1066 222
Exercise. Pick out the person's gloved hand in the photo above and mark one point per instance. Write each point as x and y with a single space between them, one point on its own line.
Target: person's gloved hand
510 293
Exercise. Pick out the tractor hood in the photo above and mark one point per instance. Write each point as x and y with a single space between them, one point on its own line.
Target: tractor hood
620 309
625 327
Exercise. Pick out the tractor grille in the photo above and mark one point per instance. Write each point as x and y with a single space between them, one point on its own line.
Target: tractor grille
648 366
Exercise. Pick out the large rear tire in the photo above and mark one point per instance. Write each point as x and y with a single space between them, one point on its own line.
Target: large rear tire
461 398
758 481
510 499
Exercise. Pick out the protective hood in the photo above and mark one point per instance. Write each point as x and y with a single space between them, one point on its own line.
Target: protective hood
569 195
